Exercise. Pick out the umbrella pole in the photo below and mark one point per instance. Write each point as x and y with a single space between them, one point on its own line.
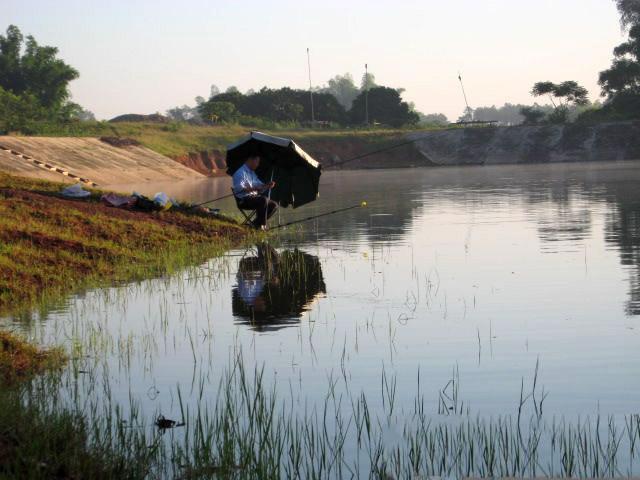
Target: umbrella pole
266 207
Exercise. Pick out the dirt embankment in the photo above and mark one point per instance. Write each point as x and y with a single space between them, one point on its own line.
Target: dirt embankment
531 144
332 153
211 163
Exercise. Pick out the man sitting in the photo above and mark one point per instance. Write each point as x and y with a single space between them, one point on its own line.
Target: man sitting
249 190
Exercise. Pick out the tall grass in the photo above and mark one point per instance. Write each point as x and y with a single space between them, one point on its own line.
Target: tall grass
246 428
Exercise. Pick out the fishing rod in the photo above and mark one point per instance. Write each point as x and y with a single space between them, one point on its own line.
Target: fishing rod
381 150
300 220
225 196
338 164
214 200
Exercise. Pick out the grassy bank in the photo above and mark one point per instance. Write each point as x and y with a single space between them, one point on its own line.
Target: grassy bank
41 443
178 139
51 246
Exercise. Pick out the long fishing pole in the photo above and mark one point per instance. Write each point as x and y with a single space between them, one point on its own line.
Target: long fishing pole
214 200
381 150
223 197
337 164
313 217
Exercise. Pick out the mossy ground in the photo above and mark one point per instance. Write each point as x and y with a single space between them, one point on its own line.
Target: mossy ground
51 246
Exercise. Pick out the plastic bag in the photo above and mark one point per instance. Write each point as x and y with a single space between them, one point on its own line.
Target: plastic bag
162 200
75 191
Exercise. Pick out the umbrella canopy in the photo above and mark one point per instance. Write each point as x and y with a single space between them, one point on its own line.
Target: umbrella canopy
296 174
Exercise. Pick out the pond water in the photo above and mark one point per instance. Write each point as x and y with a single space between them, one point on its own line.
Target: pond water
477 281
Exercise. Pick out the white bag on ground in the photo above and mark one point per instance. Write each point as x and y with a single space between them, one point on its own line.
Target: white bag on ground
75 191
162 200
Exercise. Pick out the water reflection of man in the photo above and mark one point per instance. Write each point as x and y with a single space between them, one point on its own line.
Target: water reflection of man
252 276
250 192
275 288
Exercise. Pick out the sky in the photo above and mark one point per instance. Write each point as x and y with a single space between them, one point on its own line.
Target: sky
143 56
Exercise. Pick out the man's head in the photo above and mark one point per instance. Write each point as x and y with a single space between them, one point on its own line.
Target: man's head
252 161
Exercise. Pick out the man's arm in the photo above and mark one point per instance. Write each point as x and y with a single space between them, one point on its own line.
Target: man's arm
258 185
261 186
243 184
249 182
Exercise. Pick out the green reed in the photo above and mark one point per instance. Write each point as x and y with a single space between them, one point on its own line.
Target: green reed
246 428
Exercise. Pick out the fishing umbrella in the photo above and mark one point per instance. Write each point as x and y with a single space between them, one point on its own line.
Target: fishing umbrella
296 173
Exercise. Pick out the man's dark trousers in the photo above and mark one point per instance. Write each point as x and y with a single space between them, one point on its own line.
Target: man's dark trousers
263 206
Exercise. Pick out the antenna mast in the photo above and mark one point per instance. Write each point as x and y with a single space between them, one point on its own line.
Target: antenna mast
313 117
464 94
366 94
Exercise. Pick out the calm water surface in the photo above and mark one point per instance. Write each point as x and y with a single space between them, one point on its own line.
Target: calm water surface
484 271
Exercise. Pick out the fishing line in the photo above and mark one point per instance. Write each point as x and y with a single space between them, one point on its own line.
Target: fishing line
381 150
313 217
214 200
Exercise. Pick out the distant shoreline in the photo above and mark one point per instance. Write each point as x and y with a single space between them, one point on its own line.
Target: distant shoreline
163 154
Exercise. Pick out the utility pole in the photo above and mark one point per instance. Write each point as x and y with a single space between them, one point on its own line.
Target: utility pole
464 94
313 117
366 95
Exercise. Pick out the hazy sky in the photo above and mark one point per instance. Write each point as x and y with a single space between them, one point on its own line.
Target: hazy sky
142 56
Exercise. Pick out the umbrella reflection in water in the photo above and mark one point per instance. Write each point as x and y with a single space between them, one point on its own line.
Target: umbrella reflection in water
275 289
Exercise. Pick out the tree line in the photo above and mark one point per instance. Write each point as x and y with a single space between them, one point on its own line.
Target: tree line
341 103
34 91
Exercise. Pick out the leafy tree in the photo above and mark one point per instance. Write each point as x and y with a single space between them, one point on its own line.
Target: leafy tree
77 112
629 12
508 114
216 111
234 97
368 81
232 89
343 89
435 119
284 105
213 91
621 82
566 95
385 106
17 112
532 115
185 113
624 74
34 70
178 113
467 116
34 85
